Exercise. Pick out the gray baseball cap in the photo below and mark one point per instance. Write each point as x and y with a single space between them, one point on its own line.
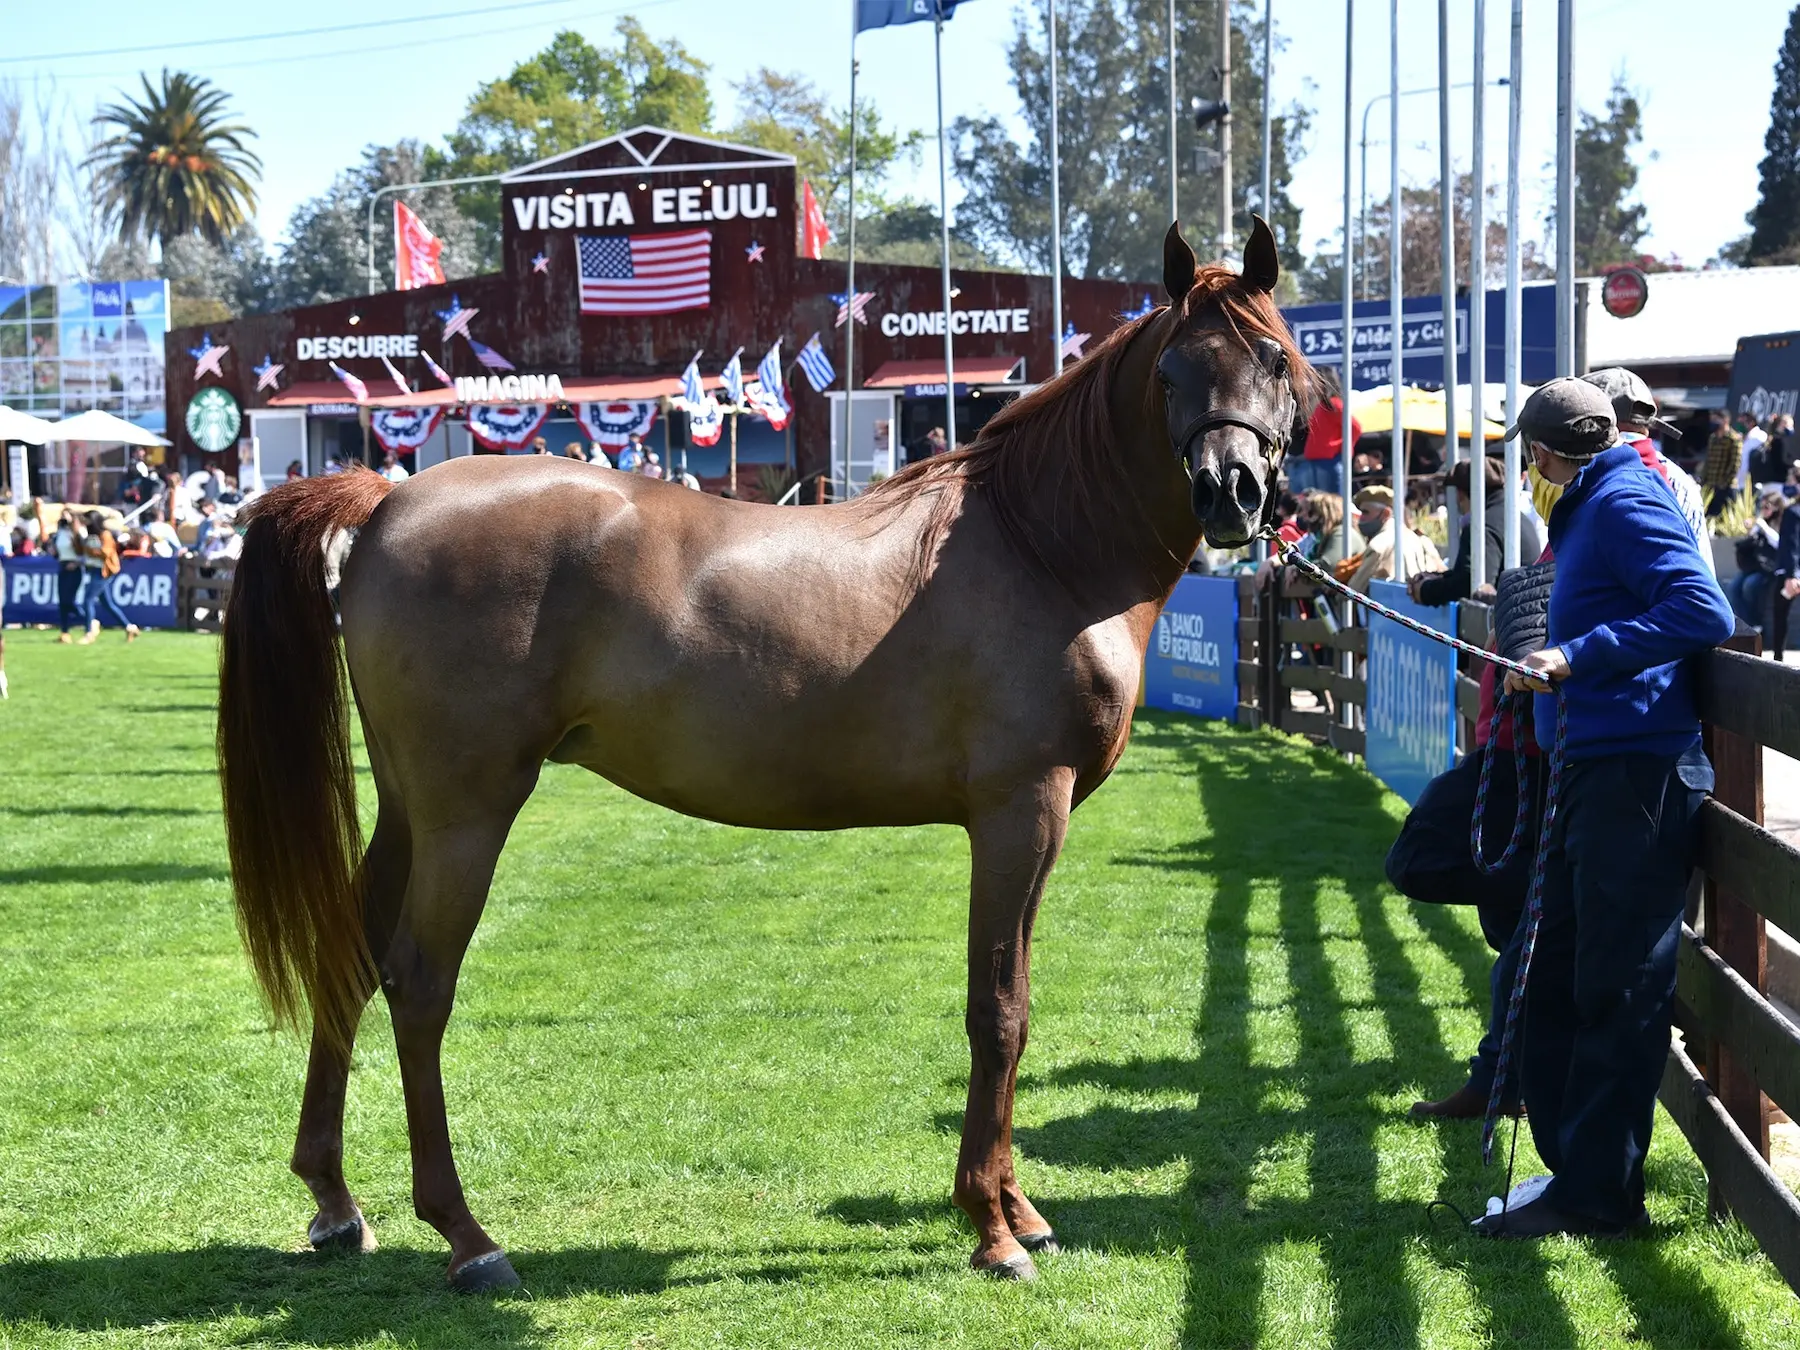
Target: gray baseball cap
1631 398
1570 416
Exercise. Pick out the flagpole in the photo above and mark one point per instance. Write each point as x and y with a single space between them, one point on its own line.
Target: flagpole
1174 195
944 220
734 418
1478 316
1515 73
850 280
1345 464
1056 313
1396 436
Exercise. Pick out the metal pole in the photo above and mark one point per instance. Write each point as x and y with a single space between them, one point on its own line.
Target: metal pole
1056 265
379 192
1349 338
850 278
1174 164
1447 244
1565 187
1225 203
1397 437
1513 294
1364 217
1478 314
1268 123
944 220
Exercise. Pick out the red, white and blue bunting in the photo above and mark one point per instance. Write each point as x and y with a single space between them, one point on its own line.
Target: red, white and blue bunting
506 426
706 423
771 407
614 424
404 429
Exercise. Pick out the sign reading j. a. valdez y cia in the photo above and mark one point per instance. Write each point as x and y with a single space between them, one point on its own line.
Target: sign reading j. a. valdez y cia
1191 665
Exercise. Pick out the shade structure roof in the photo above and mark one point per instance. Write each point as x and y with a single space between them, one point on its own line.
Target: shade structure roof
96 425
18 426
969 370
303 392
384 393
1421 410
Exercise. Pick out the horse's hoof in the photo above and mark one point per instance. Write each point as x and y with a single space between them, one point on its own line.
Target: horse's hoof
349 1235
1021 1268
1044 1242
484 1274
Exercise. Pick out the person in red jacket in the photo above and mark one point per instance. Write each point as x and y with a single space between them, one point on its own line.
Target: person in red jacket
1317 468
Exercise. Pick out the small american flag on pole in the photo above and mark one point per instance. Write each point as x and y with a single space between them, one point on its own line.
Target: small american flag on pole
488 356
358 390
645 273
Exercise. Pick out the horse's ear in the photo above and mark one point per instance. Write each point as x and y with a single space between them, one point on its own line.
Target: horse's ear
1178 264
1262 264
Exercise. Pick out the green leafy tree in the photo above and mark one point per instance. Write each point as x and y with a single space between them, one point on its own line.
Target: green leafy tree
174 165
1775 219
1609 225
786 113
1114 109
566 96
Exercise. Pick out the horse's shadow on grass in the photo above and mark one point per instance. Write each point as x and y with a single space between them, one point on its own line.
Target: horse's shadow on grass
305 1297
1289 1176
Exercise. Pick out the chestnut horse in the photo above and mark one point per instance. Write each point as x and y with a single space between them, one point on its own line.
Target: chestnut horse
961 644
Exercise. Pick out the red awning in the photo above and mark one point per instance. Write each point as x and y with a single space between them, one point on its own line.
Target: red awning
969 370
303 392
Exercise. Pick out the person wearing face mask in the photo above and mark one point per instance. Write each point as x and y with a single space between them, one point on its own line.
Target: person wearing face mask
1382 534
1635 410
1631 602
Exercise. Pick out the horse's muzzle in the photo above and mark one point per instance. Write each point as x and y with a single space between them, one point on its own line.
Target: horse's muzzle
1228 503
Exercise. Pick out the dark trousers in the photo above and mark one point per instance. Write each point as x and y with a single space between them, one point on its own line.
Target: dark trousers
1602 985
1432 861
1778 627
68 586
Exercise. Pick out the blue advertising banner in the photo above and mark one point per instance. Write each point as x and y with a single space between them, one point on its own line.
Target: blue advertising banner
1319 333
1411 705
144 588
1191 666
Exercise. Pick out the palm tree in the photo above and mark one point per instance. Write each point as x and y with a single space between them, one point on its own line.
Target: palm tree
173 166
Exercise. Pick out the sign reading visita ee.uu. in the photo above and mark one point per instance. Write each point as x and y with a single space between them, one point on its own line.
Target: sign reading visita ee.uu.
144 589
1191 665
1412 695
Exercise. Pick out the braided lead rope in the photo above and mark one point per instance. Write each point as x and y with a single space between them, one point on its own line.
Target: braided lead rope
1520 705
1534 902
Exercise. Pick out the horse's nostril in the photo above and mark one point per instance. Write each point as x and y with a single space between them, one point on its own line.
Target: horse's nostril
1206 491
1246 490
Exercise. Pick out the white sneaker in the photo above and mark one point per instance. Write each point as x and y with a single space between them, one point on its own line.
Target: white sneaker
1520 1195
3 692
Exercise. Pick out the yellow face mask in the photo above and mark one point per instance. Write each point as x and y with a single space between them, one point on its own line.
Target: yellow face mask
1544 493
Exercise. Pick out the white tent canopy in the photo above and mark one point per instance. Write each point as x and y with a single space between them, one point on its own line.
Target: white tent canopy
95 425
18 426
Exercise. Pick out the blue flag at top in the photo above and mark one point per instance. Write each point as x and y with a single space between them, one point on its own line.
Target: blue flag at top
882 13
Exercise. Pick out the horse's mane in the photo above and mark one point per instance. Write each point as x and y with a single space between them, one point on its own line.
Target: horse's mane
1065 428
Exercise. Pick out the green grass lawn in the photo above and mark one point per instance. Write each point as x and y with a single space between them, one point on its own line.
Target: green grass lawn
706 1084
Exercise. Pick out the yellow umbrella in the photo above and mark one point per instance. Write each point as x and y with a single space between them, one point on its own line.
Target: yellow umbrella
1420 410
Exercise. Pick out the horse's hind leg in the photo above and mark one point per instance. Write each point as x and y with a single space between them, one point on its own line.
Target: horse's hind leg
452 869
319 1143
1013 845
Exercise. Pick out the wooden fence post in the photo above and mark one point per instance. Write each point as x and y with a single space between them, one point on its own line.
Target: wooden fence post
1735 930
1272 695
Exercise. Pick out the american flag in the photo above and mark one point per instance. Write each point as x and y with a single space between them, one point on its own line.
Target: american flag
645 273
438 373
358 390
815 365
488 356
396 376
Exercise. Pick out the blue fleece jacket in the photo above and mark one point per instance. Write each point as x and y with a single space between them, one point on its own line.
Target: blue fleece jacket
1631 600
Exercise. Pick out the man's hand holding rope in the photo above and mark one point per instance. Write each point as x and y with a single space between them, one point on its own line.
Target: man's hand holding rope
1550 665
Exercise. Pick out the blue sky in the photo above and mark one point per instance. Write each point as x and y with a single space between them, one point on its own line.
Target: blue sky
317 99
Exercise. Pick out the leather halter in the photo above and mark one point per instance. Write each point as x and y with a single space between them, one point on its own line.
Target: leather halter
1272 444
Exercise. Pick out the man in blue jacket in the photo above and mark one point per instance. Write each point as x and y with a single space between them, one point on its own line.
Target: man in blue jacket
1631 602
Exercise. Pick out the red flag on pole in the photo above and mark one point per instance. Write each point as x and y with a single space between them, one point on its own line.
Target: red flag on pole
813 232
416 251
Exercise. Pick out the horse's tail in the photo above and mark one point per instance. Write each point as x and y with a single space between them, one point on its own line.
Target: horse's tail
285 768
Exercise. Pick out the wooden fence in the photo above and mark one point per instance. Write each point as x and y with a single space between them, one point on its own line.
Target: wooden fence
201 591
1739 1053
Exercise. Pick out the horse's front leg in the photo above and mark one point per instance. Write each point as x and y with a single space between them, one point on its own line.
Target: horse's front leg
1013 845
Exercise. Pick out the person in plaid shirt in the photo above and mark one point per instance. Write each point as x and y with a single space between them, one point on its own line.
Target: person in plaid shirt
1719 470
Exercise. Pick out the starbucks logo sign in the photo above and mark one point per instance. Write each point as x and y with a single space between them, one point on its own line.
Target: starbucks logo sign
213 419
